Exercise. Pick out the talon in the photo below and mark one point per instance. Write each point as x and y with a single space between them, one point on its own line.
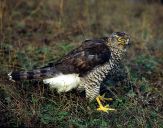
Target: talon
105 108
101 107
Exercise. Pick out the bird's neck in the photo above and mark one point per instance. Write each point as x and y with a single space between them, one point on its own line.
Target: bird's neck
116 57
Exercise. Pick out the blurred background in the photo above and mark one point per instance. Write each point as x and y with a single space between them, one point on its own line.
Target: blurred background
36 32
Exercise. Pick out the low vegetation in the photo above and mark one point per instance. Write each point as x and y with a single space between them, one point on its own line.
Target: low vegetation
36 32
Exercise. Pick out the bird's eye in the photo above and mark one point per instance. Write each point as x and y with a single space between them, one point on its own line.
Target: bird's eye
121 41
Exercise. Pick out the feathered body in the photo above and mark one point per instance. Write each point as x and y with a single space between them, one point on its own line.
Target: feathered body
86 67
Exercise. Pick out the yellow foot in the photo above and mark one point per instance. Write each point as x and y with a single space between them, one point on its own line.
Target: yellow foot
105 108
101 107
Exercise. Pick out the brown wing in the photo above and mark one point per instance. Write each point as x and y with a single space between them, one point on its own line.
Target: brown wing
84 58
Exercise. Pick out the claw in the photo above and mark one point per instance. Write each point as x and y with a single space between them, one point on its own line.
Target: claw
101 107
105 108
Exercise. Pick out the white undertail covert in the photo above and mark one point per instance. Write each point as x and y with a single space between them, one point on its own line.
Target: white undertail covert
63 83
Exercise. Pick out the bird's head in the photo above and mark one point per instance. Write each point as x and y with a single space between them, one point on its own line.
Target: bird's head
118 41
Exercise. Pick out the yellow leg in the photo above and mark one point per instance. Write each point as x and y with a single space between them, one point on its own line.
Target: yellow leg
101 107
102 98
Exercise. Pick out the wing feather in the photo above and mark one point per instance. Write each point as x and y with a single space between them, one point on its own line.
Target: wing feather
90 54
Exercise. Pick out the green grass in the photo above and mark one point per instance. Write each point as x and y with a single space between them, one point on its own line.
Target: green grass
34 33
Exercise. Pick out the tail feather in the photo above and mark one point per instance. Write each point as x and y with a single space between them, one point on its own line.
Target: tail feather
33 74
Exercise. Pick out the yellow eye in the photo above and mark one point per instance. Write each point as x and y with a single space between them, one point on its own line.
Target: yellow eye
121 40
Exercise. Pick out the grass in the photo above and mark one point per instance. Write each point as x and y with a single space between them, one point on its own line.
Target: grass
33 33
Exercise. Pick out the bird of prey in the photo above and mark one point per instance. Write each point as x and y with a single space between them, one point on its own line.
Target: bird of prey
84 68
